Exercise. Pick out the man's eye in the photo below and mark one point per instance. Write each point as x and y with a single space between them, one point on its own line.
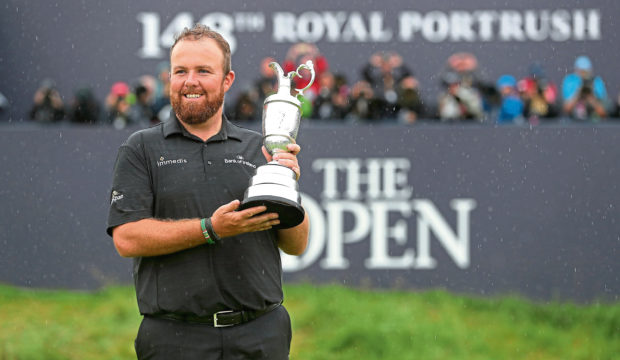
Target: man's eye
204 71
179 72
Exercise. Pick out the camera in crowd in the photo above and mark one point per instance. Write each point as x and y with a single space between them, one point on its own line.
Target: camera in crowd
587 87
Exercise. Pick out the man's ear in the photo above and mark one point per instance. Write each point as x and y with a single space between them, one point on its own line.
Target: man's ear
229 79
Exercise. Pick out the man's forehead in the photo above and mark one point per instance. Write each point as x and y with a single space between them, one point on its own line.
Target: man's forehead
204 45
209 45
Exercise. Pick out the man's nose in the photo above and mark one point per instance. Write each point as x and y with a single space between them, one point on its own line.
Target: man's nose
192 77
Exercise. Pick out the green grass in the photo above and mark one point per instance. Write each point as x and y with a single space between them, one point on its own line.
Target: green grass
329 322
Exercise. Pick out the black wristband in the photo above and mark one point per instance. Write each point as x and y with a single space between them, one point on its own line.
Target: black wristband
210 231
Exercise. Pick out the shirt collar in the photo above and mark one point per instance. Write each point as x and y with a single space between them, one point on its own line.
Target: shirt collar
228 129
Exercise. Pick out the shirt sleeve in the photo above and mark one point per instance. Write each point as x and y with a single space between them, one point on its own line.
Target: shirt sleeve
599 88
570 86
131 196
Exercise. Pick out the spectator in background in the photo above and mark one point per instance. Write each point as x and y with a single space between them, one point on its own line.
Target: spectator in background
409 101
245 108
511 106
298 54
140 113
384 72
161 96
85 109
372 71
331 102
117 105
583 93
539 95
466 66
342 95
149 82
460 102
48 106
162 80
363 105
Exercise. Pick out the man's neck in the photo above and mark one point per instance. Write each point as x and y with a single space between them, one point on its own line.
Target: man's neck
206 129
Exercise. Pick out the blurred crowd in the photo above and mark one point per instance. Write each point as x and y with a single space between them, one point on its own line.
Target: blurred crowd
142 104
386 90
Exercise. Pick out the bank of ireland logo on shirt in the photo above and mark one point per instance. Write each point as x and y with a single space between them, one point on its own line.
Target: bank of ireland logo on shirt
163 161
238 159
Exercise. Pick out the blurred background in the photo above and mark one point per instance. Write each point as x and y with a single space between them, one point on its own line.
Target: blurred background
469 148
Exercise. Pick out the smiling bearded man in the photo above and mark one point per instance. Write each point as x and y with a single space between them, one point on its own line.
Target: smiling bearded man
208 276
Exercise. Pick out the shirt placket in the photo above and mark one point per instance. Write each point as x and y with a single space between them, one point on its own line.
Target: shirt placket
206 161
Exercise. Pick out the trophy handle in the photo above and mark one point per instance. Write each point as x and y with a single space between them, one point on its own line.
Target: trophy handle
278 69
308 66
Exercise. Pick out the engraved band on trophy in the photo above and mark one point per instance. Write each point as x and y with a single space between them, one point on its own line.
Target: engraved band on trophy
275 186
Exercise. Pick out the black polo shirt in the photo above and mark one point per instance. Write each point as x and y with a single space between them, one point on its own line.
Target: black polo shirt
165 172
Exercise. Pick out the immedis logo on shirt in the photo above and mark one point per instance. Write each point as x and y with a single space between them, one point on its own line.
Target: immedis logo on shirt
163 162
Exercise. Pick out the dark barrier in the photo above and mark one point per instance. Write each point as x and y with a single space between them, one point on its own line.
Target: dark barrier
481 210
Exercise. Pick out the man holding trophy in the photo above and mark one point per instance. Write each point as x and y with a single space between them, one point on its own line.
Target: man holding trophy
207 266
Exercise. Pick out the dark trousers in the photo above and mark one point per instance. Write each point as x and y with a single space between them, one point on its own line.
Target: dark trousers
268 337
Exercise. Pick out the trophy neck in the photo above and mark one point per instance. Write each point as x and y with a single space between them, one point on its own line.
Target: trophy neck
284 86
284 97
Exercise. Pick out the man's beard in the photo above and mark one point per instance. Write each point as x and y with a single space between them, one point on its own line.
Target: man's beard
197 113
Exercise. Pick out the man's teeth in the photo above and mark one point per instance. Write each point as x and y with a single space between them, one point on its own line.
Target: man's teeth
192 96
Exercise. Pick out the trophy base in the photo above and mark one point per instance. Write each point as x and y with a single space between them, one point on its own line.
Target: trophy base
290 212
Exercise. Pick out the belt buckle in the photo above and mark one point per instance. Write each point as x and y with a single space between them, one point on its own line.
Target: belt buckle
215 324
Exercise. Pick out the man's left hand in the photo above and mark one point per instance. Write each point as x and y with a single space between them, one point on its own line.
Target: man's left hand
288 159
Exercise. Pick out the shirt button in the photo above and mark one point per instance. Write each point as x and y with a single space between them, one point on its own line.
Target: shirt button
209 162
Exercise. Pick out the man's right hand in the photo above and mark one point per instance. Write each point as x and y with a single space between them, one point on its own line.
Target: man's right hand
228 222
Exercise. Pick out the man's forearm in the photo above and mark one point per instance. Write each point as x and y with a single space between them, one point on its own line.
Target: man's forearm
570 104
152 237
598 106
293 241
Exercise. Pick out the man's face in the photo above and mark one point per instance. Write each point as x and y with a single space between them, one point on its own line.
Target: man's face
197 80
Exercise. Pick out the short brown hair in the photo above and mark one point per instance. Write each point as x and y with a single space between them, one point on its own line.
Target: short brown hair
200 31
